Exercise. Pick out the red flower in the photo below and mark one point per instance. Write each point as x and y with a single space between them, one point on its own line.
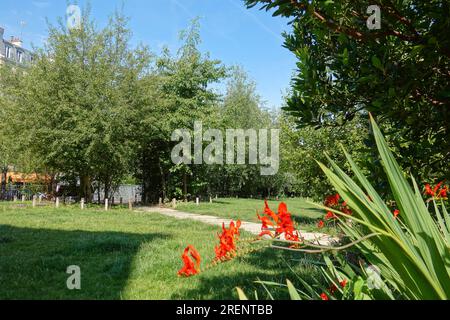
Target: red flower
330 215
265 221
292 236
321 224
332 201
333 287
269 212
346 210
285 224
429 191
282 221
324 297
396 213
438 191
234 228
266 233
190 268
443 192
437 187
228 238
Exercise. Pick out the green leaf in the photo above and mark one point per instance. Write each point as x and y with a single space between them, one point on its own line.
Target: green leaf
410 252
345 56
292 291
241 294
377 63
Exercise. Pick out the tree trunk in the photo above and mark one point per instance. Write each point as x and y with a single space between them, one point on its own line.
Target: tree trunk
163 180
86 188
185 186
51 188
107 187
4 178
98 192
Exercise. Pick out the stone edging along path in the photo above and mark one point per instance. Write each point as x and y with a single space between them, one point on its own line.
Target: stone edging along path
254 228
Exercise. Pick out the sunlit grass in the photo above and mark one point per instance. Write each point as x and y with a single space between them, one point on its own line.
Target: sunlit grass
305 214
122 255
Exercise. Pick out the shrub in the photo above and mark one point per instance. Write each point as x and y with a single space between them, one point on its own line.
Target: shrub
408 248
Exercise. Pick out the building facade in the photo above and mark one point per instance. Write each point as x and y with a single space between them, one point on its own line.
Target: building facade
11 51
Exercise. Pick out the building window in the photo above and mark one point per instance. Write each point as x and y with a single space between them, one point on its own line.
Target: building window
20 56
8 52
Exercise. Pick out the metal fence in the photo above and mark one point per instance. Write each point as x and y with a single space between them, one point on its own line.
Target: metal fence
122 194
12 193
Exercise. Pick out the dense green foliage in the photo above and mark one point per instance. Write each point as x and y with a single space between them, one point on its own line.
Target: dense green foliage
402 256
400 72
302 147
176 94
93 111
73 107
412 250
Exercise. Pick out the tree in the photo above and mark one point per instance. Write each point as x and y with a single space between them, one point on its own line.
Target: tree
241 109
6 144
13 151
177 93
302 147
77 99
400 73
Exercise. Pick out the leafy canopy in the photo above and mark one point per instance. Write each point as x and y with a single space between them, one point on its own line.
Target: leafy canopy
400 73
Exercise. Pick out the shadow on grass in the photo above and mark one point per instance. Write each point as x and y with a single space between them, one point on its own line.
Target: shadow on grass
33 262
304 220
273 265
221 202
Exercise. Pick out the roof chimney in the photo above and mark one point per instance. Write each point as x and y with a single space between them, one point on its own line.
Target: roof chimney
16 41
2 31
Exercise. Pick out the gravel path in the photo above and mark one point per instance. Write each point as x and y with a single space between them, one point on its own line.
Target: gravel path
254 228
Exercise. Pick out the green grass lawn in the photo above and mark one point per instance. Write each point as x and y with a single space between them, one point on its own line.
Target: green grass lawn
305 214
124 255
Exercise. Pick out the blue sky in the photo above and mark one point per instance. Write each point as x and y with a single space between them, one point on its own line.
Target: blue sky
230 32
